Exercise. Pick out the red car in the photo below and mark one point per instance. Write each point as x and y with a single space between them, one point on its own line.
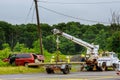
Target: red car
40 58
23 59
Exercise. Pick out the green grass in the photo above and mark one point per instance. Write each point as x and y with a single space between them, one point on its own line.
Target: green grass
25 70
20 70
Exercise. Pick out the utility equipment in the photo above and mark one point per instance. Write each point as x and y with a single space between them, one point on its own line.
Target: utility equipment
95 61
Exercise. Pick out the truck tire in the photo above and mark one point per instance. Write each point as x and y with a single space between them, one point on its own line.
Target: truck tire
114 66
104 66
49 70
66 71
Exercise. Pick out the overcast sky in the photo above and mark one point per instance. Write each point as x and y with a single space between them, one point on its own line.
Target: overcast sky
57 11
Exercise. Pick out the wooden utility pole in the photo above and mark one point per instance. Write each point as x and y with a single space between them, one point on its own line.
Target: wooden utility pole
38 24
57 56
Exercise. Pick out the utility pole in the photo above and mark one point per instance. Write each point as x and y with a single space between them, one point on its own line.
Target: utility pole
57 45
38 25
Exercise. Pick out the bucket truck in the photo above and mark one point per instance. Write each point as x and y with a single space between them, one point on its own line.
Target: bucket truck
94 60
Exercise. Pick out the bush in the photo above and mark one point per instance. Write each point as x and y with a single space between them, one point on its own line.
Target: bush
2 64
47 56
5 53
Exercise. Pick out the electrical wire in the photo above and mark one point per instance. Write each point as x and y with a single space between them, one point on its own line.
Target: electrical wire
72 16
29 12
109 2
33 15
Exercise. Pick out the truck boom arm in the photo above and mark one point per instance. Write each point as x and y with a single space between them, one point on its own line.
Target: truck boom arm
91 49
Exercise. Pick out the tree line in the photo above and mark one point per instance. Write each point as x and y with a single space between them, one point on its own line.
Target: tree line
106 36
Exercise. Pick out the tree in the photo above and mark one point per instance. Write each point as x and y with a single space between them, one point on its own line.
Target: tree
5 52
101 39
67 46
60 26
114 42
36 46
50 43
90 34
18 47
28 34
114 39
2 37
6 30
115 22
46 30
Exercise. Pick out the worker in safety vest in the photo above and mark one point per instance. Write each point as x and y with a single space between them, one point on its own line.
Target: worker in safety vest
82 59
68 59
82 56
52 59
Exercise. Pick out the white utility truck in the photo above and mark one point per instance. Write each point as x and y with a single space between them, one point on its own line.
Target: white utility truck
108 59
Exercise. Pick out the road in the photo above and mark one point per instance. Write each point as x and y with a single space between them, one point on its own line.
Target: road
108 75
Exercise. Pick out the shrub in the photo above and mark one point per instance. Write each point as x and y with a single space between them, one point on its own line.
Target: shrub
5 53
3 63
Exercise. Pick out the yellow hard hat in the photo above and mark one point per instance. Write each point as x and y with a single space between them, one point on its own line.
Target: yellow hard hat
67 56
82 55
53 56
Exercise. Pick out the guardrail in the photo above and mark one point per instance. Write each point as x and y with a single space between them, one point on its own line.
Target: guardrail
53 63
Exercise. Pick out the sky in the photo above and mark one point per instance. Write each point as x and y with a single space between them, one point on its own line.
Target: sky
58 11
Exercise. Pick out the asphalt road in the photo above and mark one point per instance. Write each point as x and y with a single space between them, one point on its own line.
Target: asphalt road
109 75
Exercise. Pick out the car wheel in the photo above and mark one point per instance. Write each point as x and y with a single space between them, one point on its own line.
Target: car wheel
26 64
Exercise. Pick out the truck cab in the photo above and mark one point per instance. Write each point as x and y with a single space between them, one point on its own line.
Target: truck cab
108 59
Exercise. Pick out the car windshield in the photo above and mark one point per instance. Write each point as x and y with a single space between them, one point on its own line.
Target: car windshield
23 56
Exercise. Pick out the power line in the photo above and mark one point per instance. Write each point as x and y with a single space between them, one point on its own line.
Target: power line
33 15
109 2
59 13
29 12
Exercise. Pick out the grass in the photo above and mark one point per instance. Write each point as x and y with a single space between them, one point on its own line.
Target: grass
75 68
25 70
20 70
